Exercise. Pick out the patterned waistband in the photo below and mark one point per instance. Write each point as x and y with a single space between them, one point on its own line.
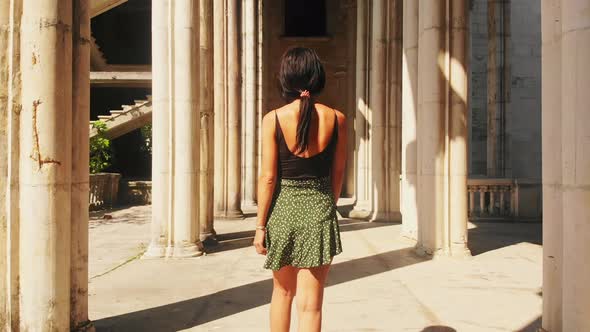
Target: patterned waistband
307 183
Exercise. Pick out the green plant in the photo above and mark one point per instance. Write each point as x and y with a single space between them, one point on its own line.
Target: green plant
146 134
101 151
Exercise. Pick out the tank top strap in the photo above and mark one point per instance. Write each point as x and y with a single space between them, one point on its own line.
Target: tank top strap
278 131
335 131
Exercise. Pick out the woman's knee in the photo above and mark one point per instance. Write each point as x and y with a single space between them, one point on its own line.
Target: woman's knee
309 304
288 293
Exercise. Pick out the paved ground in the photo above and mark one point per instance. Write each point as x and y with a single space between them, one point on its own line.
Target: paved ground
376 284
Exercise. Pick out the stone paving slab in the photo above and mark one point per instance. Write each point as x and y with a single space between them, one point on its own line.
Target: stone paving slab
377 283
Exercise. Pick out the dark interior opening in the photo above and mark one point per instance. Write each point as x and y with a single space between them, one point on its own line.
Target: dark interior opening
305 18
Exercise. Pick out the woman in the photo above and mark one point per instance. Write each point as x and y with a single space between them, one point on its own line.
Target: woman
303 157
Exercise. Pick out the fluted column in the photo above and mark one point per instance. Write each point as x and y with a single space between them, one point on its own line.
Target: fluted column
458 133
184 241
4 110
207 126
250 106
575 148
10 97
46 165
431 127
377 197
161 157
80 162
409 208
227 80
552 166
176 105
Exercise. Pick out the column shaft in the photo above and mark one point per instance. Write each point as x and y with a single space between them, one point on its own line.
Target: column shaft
4 120
458 134
431 125
378 105
552 162
377 117
234 104
14 106
362 206
249 110
575 142
185 120
409 206
80 161
161 156
220 106
46 165
207 125
227 78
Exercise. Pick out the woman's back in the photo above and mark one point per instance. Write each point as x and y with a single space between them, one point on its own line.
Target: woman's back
316 160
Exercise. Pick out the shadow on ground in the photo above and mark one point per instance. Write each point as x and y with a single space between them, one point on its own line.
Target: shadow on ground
488 236
200 310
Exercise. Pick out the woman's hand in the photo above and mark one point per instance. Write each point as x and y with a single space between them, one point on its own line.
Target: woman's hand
259 241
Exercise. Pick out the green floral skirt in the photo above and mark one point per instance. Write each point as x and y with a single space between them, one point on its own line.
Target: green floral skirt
302 228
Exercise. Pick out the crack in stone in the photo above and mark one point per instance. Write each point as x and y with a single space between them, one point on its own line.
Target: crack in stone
36 154
58 24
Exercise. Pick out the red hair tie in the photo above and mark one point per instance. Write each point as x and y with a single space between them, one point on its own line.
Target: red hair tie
304 94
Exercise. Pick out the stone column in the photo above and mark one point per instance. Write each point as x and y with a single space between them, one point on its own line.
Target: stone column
552 166
376 196
11 63
161 157
409 208
250 107
184 241
175 229
46 165
430 126
5 35
362 206
80 161
227 80
458 133
206 105
575 148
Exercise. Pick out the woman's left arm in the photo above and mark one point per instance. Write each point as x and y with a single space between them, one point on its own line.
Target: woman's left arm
267 179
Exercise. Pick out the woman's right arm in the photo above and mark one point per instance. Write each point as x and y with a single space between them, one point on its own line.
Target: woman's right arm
267 179
339 162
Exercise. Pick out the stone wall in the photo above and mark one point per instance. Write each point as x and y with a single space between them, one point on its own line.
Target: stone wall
336 49
522 111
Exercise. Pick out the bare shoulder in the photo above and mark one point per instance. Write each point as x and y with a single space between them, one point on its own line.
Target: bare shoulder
268 120
329 110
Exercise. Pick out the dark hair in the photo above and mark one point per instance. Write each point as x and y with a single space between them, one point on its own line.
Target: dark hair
302 70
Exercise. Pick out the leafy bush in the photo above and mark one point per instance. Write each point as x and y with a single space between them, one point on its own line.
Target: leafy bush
146 134
101 151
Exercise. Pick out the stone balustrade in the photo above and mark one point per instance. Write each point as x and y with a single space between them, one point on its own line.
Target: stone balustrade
493 198
104 189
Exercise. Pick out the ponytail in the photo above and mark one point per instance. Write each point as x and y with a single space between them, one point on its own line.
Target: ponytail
306 107
302 77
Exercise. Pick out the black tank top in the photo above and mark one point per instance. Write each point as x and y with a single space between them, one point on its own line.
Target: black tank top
292 166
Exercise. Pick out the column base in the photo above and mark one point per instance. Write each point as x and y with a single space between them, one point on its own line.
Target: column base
230 215
457 252
185 250
154 251
85 327
460 251
368 215
208 238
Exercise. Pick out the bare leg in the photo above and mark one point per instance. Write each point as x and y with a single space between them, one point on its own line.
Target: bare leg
284 288
310 295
